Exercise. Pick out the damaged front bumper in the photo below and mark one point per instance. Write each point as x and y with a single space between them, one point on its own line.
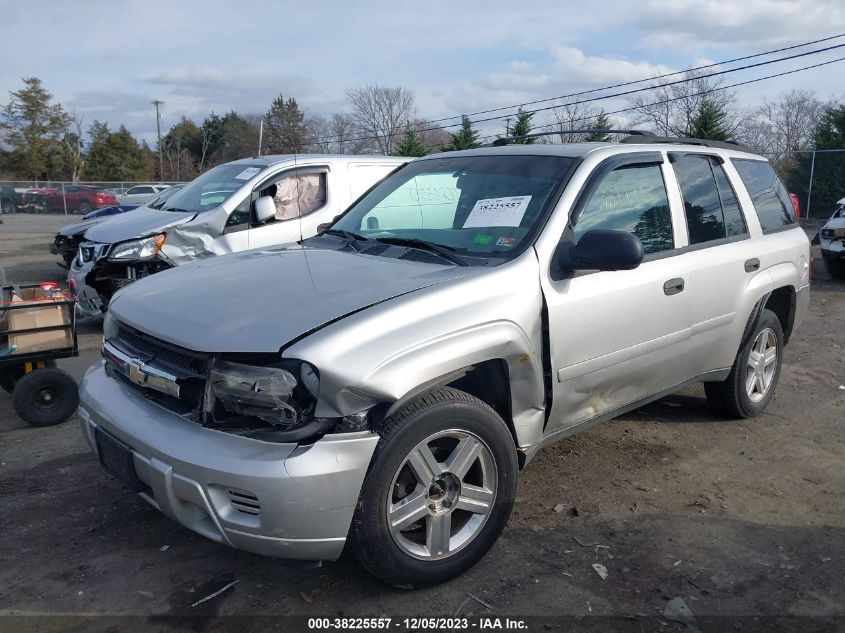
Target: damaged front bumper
286 500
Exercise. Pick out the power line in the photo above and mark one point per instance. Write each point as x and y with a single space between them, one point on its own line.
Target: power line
704 92
638 81
610 96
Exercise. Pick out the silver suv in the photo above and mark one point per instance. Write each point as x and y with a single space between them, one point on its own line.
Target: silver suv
381 385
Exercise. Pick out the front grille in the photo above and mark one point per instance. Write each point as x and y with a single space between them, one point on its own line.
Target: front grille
244 501
152 350
91 251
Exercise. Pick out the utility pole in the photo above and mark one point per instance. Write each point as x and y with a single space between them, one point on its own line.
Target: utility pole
158 103
260 135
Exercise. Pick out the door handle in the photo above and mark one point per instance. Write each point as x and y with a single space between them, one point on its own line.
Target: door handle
752 264
673 286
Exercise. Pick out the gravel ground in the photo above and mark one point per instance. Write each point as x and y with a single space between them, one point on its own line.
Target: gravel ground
738 518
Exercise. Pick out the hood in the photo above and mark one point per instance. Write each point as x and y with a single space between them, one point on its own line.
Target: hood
835 223
257 301
78 228
139 223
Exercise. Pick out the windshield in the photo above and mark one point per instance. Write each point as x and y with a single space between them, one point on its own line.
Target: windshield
212 189
483 206
157 202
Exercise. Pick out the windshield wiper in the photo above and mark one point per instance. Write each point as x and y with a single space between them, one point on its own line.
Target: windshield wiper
174 209
349 237
446 252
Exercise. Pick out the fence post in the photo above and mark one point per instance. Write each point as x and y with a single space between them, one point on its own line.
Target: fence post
810 188
64 198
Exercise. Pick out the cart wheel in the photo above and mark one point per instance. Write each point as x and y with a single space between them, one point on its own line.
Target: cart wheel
44 397
9 376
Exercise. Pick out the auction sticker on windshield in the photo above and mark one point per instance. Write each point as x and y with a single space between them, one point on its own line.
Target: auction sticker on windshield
498 212
248 173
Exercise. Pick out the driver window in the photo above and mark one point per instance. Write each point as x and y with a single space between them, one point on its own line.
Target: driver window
631 198
297 195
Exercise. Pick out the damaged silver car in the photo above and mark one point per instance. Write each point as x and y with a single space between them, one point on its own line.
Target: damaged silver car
380 385
233 207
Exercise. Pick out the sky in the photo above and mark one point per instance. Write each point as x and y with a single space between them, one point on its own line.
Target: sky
107 60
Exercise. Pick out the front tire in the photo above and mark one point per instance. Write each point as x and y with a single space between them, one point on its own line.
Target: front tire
755 372
439 491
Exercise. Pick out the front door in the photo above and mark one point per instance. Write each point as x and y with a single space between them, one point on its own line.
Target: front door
302 202
619 336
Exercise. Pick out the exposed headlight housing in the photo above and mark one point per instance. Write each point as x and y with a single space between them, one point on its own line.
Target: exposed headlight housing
271 394
109 327
139 249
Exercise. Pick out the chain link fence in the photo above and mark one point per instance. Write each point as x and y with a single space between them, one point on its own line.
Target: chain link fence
33 196
817 177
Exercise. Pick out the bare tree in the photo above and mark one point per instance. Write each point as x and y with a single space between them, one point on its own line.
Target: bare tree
567 116
342 127
782 126
74 145
433 139
382 112
319 132
669 108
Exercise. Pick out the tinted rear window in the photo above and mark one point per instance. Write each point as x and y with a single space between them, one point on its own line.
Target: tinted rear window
770 198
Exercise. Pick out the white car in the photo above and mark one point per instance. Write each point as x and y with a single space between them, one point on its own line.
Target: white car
139 194
832 241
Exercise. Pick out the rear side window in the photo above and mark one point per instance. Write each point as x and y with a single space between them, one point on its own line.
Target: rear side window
770 198
710 204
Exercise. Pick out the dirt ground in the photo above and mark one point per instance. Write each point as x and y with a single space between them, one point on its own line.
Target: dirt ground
744 519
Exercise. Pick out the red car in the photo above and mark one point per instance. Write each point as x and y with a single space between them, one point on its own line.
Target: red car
81 198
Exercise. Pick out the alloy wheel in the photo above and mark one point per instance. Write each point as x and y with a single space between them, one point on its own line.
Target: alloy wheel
442 494
762 363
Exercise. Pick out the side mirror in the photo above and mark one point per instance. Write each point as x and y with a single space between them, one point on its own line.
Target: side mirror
265 209
601 249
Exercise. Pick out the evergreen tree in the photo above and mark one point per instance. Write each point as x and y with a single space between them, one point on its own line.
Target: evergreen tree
709 122
522 127
238 138
211 135
411 144
465 138
829 169
33 128
114 155
600 125
285 130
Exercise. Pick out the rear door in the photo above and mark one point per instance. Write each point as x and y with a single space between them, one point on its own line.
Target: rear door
617 337
721 259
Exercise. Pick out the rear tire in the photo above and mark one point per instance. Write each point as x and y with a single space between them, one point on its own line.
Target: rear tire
439 491
84 207
45 397
755 372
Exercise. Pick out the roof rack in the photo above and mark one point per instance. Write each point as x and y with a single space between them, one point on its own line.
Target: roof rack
633 136
653 138
511 139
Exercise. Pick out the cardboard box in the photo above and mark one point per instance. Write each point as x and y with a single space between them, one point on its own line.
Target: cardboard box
43 313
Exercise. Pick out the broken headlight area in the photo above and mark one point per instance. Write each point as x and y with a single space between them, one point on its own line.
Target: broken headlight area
107 277
264 401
